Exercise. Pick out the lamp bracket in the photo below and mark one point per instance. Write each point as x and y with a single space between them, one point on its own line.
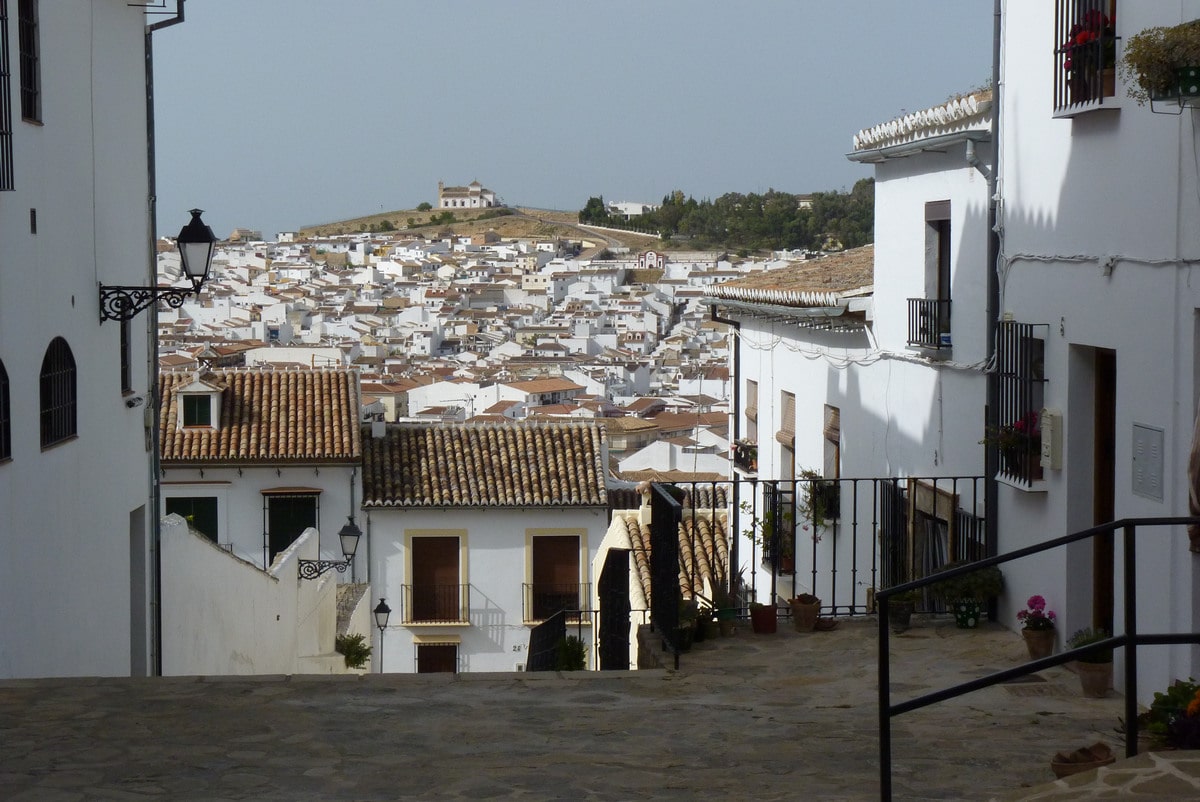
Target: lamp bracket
311 569
122 303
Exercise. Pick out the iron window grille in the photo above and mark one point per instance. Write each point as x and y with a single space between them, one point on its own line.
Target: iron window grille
30 58
6 147
5 426
928 320
1085 55
57 393
1021 358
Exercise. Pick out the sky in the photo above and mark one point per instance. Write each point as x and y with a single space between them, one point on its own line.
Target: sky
276 114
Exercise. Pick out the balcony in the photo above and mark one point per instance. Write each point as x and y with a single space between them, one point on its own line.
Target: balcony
435 604
540 601
929 323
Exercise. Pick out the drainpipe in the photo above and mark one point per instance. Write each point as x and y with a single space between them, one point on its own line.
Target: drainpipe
154 402
991 458
737 419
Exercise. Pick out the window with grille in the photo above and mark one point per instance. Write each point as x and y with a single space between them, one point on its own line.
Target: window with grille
929 316
1085 54
5 427
1021 358
57 393
30 58
6 150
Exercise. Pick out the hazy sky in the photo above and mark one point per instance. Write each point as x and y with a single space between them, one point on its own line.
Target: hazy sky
273 114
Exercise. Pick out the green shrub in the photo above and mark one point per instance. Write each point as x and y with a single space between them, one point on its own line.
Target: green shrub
570 654
353 648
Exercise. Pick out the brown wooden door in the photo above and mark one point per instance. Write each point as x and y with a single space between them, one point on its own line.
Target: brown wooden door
555 575
1104 486
435 579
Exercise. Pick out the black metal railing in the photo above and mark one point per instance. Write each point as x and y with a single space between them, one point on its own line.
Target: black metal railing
1021 375
1085 54
1130 640
929 322
435 604
544 639
541 600
845 538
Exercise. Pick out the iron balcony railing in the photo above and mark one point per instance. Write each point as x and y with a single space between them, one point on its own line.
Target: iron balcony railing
435 604
1085 55
1129 641
541 600
929 322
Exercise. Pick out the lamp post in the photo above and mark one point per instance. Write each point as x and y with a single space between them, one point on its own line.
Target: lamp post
196 243
382 611
348 535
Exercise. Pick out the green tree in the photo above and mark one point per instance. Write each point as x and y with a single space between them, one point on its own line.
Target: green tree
424 206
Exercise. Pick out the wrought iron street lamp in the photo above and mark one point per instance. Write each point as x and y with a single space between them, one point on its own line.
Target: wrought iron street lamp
196 243
348 535
382 611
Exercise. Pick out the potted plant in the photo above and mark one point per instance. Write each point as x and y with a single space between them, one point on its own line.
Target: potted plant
901 608
966 594
725 607
772 537
745 455
763 618
1019 444
806 608
1090 57
1163 725
1156 60
1094 668
819 501
1037 627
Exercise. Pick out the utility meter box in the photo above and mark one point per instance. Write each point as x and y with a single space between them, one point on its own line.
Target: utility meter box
1051 439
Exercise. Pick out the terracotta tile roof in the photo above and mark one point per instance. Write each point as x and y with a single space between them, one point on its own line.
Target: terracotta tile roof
267 416
703 550
814 282
969 111
486 465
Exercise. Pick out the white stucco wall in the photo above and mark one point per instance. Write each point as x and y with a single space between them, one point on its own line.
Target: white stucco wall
222 615
75 522
239 497
496 565
1100 237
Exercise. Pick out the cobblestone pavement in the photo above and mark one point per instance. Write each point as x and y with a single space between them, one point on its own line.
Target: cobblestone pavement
785 716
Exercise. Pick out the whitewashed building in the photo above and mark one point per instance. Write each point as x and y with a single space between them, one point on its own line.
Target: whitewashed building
75 462
479 532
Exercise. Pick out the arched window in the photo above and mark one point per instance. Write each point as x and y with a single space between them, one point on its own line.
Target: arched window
5 428
58 393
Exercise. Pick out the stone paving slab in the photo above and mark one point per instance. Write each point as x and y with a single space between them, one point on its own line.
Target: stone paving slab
771 717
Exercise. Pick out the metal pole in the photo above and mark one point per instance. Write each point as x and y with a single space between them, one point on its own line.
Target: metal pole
381 650
885 702
1130 531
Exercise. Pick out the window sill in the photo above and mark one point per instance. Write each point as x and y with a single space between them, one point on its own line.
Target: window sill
61 442
1035 486
571 622
427 624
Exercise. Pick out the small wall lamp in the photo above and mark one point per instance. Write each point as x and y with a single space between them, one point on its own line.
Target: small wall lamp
348 535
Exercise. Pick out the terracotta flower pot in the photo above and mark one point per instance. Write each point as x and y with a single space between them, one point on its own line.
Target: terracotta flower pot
763 619
805 610
1095 679
1039 642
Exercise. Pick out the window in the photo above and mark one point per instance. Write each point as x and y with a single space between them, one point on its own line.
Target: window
126 359
30 58
288 515
1022 378
5 427
436 594
437 658
57 393
787 420
197 410
929 316
555 573
199 511
752 411
1085 54
6 152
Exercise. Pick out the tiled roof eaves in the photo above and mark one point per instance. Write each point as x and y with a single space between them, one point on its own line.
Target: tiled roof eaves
907 148
960 114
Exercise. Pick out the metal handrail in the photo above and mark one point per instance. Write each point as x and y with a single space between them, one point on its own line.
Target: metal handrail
1129 641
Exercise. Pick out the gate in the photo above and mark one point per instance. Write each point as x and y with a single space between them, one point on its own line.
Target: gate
614 611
